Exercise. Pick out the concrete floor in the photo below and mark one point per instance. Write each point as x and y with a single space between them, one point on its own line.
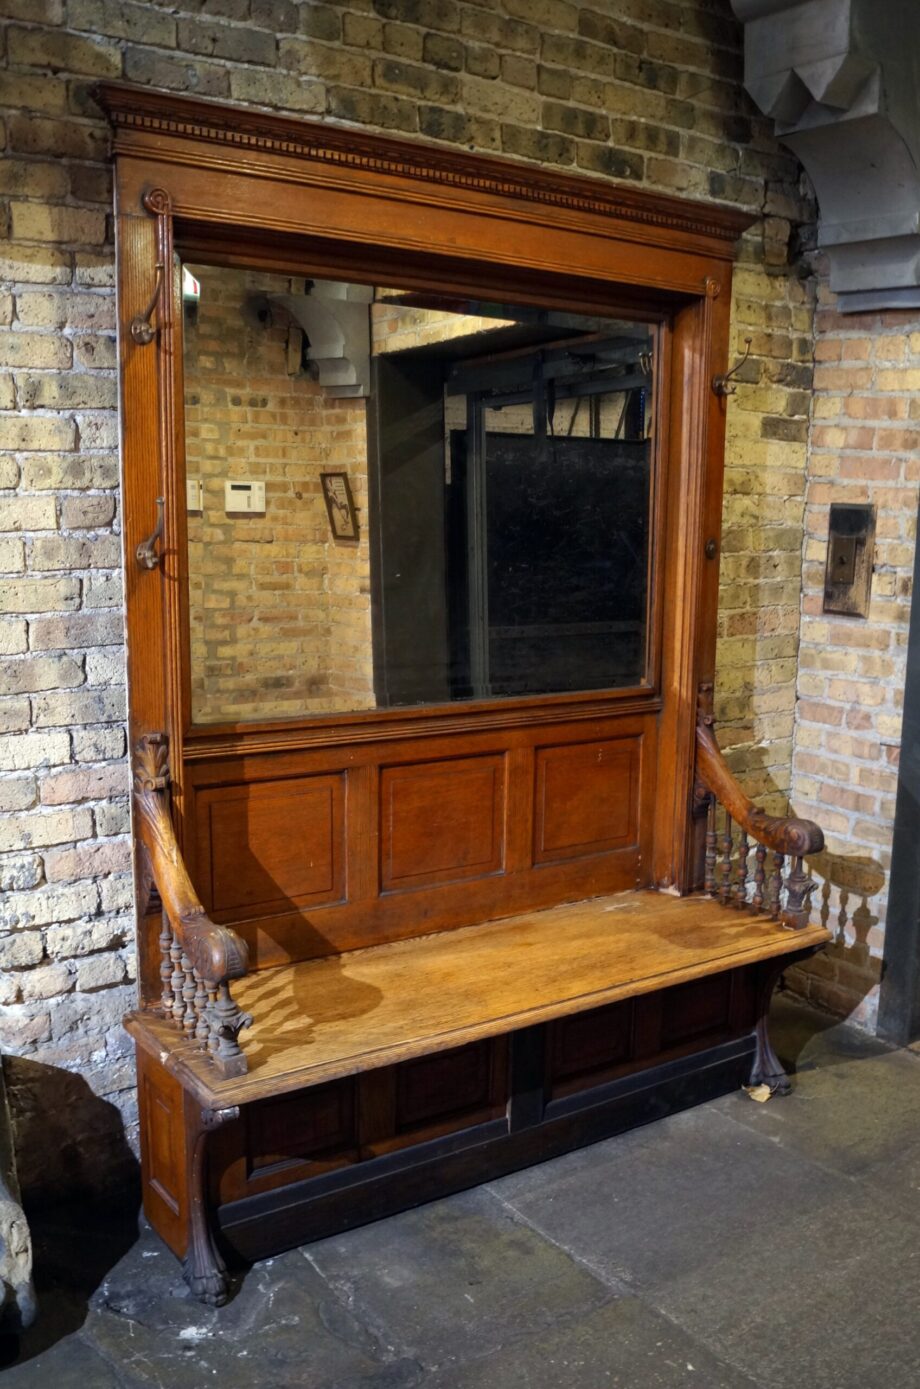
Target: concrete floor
737 1244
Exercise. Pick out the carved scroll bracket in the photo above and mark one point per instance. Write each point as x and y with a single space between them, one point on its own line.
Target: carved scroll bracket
203 1268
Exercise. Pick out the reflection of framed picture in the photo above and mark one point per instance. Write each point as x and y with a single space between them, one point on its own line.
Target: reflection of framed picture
343 520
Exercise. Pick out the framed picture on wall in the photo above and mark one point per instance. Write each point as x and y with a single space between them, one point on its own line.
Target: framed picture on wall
340 506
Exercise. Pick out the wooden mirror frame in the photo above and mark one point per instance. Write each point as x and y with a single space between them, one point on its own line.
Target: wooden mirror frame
249 189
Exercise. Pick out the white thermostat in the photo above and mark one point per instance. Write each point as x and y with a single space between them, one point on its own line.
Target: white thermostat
244 496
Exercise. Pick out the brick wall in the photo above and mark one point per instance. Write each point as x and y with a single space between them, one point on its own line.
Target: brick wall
865 447
279 612
642 90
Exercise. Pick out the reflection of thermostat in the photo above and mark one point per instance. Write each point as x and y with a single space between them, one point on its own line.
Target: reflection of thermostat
244 496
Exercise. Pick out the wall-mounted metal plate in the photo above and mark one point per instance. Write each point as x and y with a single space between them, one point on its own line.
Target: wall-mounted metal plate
850 554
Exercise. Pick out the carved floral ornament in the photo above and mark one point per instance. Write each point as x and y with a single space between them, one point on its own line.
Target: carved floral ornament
839 78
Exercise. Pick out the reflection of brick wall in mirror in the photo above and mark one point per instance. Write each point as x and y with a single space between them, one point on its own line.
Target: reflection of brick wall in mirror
279 613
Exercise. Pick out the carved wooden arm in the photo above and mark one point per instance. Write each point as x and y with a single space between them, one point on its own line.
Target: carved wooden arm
784 898
198 958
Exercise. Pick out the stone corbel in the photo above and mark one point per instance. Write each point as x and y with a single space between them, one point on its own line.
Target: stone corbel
335 319
841 79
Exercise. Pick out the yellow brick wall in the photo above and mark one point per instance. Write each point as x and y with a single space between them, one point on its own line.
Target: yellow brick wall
279 611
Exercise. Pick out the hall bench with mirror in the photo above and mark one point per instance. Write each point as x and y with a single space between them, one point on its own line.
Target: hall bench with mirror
440 869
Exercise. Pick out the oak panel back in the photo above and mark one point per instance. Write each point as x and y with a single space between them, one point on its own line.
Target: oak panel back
323 834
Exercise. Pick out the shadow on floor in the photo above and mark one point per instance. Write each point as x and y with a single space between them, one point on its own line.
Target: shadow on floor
74 1247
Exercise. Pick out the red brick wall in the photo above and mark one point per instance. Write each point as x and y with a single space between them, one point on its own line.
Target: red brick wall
864 447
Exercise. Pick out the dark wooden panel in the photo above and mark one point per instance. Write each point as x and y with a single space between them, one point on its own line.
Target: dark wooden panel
316 1131
698 1008
586 799
587 1042
401 1180
272 844
437 1086
277 1142
441 821
303 1125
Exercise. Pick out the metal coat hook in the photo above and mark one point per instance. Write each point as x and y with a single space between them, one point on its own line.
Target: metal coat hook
724 384
146 552
142 330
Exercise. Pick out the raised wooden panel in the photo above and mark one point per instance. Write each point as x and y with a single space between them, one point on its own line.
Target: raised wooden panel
691 1010
307 1125
271 844
587 798
437 833
434 1087
163 1155
588 1042
163 1150
441 822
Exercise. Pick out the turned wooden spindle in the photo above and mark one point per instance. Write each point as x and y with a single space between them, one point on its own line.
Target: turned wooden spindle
213 1037
230 1022
760 854
711 849
202 1027
775 895
189 989
166 939
799 887
725 890
177 981
744 849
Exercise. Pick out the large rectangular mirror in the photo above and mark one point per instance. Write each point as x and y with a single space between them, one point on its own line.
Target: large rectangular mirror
399 499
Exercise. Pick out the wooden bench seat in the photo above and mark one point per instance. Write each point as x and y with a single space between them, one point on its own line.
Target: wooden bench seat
211 1058
319 1020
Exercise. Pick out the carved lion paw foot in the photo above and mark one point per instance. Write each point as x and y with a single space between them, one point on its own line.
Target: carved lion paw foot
212 1288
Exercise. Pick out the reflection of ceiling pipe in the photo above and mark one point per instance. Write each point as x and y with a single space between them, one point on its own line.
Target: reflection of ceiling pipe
335 318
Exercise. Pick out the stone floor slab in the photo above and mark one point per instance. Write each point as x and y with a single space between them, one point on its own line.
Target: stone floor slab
283 1328
669 1199
622 1345
830 1300
455 1279
68 1364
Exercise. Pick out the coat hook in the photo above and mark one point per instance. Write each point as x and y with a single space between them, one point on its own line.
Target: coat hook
723 385
142 330
146 552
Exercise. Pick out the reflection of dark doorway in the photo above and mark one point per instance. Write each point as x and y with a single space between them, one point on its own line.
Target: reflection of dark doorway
510 509
899 997
561 549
